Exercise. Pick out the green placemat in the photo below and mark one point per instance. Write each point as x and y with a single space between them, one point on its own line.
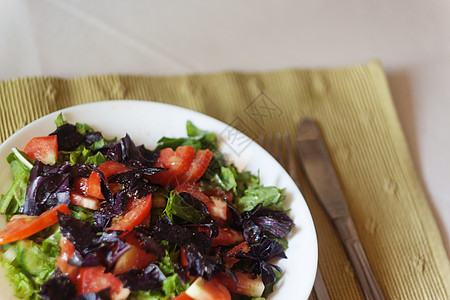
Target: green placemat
361 128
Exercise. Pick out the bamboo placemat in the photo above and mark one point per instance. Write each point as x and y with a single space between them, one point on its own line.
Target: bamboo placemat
354 108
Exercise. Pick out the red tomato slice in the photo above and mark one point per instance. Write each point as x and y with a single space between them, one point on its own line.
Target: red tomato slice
226 237
201 289
20 228
135 258
67 250
177 162
108 169
183 258
183 296
44 149
230 261
84 201
219 193
216 206
94 279
137 211
198 166
80 185
248 284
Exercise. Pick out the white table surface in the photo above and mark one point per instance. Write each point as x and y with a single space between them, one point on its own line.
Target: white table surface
411 38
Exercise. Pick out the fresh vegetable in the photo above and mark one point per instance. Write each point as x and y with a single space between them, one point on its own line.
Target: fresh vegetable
92 218
202 289
247 284
95 279
15 196
22 227
44 148
137 210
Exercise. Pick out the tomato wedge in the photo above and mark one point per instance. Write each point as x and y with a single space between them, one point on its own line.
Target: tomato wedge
43 148
80 185
137 210
84 201
226 236
94 279
108 169
177 162
217 207
248 284
67 250
202 289
198 166
230 261
135 258
21 228
183 296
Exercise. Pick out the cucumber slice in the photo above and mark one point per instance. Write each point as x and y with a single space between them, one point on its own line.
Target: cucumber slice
31 258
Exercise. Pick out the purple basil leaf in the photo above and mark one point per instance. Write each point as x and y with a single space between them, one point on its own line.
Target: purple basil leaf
126 152
268 249
235 217
149 279
68 137
59 286
147 243
267 273
274 223
92 137
101 295
260 223
195 203
80 170
252 233
200 264
181 272
166 230
78 232
91 249
49 187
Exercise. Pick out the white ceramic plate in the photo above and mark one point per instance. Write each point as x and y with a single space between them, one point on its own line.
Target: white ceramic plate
146 122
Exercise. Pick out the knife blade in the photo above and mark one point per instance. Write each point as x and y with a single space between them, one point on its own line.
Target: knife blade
322 176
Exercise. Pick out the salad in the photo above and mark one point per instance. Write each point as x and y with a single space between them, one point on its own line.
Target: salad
92 218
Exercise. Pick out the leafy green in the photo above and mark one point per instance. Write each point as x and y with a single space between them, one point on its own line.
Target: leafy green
29 264
50 246
23 286
15 196
96 159
269 196
197 138
82 213
59 121
172 286
269 288
83 128
227 178
81 155
176 205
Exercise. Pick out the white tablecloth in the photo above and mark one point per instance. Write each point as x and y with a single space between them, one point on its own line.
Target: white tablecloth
411 38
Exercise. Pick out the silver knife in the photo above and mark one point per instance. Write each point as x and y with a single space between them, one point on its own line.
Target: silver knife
322 176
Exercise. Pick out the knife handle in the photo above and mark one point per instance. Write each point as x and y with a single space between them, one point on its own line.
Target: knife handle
355 253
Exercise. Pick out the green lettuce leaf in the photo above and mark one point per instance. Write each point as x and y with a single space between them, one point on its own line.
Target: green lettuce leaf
29 264
59 121
172 286
177 206
197 138
15 196
270 196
